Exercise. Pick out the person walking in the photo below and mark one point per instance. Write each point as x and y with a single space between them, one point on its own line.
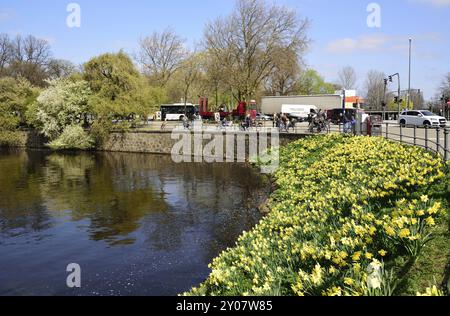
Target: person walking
185 122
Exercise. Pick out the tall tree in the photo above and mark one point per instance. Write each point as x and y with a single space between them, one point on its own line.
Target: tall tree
16 95
245 42
284 78
63 103
215 80
60 69
374 89
190 73
347 78
118 88
29 58
161 55
445 86
5 53
311 82
417 100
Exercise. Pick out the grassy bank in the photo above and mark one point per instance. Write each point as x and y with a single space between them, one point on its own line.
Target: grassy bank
351 216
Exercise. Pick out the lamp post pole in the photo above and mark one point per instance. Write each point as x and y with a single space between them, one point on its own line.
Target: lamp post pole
409 79
383 104
344 115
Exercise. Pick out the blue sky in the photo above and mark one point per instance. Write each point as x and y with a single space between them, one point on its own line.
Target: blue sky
339 31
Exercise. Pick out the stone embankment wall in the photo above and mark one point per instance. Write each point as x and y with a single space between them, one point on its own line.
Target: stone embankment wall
162 142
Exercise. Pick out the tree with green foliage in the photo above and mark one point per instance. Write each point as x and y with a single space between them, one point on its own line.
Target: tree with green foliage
15 97
118 89
311 82
119 93
393 106
73 137
61 106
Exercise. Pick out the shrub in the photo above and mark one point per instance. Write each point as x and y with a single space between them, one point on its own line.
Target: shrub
9 139
64 103
16 95
73 137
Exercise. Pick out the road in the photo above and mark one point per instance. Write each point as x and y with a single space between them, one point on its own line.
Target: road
405 135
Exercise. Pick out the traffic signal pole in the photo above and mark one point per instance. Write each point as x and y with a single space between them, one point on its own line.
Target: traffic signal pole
399 91
384 100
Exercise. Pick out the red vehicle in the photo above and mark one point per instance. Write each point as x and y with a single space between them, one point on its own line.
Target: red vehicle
240 112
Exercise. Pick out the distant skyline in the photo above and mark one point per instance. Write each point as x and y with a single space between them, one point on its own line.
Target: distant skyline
339 31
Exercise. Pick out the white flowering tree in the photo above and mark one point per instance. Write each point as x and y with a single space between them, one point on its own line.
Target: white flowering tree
64 103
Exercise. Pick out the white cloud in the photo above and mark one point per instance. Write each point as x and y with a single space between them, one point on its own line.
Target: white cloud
6 14
372 43
363 43
436 3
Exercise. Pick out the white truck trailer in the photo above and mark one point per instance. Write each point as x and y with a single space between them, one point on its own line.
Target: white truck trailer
273 105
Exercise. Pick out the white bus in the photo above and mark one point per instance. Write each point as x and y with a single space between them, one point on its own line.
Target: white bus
176 112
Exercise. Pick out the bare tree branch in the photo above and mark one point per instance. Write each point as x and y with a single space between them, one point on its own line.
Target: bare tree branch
246 42
161 55
347 78
374 89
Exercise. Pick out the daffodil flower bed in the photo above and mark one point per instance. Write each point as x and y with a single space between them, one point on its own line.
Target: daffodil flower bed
345 209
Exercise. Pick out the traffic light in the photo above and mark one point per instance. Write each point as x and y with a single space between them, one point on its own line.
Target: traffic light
390 79
397 100
385 82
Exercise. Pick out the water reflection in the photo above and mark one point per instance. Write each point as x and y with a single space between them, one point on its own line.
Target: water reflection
151 208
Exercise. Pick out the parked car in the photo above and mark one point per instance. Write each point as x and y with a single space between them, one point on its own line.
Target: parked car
422 119
262 117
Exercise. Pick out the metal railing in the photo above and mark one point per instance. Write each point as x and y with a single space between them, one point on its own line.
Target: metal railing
434 139
430 138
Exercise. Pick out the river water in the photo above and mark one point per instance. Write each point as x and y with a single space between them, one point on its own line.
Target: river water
136 224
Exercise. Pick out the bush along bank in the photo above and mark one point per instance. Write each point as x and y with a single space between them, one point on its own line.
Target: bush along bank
351 216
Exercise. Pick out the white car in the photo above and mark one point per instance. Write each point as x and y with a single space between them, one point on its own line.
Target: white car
262 117
422 118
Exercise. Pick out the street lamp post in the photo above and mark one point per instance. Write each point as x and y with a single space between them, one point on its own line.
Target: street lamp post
344 120
409 79
343 101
